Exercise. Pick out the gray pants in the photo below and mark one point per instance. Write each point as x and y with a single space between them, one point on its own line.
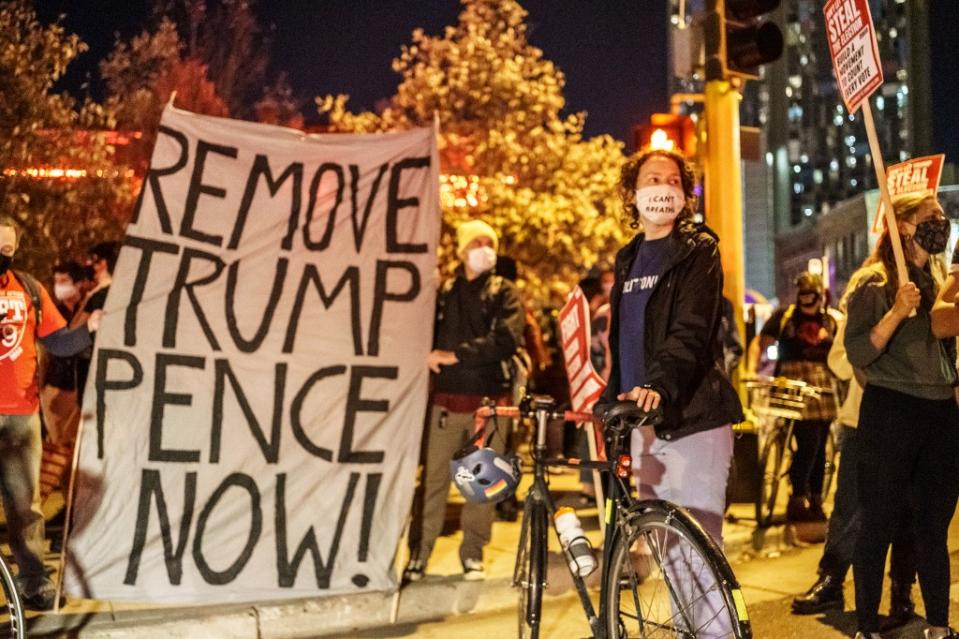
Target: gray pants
446 433
20 452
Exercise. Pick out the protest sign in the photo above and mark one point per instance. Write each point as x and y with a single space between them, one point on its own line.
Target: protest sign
852 45
858 70
918 175
253 418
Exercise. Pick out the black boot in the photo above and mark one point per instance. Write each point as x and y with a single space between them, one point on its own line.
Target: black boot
901 608
825 594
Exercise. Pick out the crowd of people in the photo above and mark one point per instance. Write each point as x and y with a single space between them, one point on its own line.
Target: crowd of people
664 336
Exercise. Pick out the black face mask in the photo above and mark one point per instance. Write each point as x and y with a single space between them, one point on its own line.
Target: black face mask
808 298
932 235
5 261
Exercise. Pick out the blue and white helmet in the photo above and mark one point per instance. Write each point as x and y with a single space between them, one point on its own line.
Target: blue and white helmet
483 476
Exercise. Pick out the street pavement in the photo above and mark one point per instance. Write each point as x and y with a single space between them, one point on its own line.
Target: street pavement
769 584
771 565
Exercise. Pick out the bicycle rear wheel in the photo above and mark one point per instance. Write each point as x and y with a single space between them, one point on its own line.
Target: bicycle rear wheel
773 464
529 575
12 624
667 579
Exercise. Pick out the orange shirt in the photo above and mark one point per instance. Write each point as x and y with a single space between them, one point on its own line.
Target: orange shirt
18 347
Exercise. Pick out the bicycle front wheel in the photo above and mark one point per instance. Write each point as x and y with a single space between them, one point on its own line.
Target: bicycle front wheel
529 576
12 624
667 579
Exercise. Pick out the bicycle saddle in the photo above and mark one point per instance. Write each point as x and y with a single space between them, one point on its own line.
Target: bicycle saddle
628 415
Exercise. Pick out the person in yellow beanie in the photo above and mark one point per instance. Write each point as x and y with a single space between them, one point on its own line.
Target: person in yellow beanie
479 325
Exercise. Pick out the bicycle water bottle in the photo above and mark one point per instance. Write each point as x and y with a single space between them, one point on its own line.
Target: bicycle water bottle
574 541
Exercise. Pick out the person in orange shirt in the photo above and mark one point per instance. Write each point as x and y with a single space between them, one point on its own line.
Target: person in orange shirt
27 314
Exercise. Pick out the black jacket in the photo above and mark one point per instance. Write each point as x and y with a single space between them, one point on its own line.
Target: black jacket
482 321
684 358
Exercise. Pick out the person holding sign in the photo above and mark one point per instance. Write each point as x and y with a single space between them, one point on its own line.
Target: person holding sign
27 315
666 311
909 420
479 325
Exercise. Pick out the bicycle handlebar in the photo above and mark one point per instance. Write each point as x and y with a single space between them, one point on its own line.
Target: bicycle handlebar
485 412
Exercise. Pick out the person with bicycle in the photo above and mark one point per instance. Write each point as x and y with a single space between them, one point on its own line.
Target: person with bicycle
479 325
666 312
804 332
908 420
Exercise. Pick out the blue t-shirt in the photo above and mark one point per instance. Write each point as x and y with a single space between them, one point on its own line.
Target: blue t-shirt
637 289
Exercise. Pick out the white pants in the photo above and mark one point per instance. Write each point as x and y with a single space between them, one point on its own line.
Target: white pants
690 472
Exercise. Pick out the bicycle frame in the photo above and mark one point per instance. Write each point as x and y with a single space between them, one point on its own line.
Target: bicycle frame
617 497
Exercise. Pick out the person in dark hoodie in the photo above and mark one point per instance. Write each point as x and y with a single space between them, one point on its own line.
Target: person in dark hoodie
479 325
666 311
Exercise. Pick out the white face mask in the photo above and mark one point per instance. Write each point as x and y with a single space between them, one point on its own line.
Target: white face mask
481 259
659 204
64 291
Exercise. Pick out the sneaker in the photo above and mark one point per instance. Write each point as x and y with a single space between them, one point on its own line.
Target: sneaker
414 570
928 634
868 635
473 570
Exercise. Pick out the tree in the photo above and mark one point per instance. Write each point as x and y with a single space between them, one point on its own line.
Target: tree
548 192
226 37
41 134
140 77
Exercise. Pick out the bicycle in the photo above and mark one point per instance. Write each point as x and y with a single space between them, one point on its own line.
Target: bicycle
12 622
780 403
662 574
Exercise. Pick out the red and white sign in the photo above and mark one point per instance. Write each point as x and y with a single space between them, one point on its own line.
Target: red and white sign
918 175
585 384
852 45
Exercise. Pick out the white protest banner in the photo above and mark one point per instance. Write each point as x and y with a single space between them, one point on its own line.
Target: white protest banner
852 45
918 175
254 413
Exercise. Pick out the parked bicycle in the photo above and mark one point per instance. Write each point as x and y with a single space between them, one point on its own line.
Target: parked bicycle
12 623
779 404
662 574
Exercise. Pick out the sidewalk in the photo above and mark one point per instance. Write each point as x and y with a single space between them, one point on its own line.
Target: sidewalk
442 593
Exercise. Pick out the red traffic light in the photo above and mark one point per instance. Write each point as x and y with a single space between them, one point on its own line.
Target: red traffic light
667 131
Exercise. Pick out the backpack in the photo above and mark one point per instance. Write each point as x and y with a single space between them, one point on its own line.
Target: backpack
32 288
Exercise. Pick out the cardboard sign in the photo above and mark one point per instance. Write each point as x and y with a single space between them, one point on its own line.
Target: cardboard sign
255 409
852 45
585 384
918 175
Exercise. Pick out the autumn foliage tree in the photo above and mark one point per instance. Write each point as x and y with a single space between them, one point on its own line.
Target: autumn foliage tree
514 158
41 132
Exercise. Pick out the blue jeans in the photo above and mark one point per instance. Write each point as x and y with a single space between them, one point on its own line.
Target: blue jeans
20 451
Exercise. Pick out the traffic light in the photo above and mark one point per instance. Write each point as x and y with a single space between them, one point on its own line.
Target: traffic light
738 40
666 131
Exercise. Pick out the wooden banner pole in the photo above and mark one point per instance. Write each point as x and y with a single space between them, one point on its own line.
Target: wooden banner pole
880 167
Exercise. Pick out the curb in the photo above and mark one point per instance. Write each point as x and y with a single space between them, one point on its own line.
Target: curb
432 599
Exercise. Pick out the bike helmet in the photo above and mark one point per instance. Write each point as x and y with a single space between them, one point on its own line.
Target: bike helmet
484 476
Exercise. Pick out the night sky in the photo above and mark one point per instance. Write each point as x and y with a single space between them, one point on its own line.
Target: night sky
612 52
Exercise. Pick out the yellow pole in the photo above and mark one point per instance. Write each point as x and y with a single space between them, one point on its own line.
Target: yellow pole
724 198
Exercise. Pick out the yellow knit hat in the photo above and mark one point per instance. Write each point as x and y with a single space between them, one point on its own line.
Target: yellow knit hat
469 231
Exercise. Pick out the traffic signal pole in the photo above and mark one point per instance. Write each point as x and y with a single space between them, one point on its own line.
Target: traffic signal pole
723 188
737 41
